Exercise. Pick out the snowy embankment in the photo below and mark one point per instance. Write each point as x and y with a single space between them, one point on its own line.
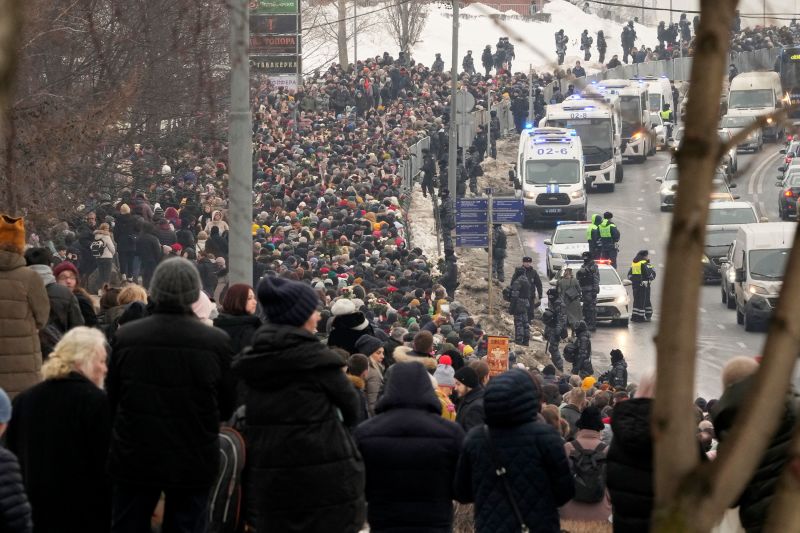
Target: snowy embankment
481 25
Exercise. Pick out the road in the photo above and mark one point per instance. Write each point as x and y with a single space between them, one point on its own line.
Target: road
642 225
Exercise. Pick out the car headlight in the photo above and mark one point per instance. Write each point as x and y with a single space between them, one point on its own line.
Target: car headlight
756 289
606 164
621 299
704 259
636 136
530 195
555 256
769 120
731 275
577 194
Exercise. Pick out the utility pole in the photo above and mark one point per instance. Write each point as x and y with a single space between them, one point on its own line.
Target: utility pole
530 96
489 124
489 229
355 33
240 149
453 146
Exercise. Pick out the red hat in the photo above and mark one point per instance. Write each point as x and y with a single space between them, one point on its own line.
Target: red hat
63 266
324 270
391 289
177 247
445 360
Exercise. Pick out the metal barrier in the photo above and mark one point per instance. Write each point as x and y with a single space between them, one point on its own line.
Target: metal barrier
408 169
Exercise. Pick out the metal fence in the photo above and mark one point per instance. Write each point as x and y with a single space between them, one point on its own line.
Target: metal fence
408 169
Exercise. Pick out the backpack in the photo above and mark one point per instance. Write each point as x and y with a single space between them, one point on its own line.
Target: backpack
49 336
570 351
97 248
588 472
225 502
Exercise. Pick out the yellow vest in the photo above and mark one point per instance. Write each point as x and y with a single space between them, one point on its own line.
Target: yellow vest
636 267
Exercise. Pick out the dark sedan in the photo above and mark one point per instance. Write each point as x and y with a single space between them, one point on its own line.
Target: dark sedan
788 196
717 243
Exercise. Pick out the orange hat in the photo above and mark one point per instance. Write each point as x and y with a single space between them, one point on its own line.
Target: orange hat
12 232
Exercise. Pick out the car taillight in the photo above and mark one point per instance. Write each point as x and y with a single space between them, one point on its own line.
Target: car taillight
788 193
789 137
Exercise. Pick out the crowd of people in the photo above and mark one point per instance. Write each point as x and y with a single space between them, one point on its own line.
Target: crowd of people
123 345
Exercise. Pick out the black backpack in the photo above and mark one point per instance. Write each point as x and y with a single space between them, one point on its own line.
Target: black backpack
588 472
225 502
570 351
97 248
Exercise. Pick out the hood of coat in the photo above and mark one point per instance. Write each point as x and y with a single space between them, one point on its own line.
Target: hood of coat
45 272
10 260
279 349
630 423
100 233
409 387
511 399
404 354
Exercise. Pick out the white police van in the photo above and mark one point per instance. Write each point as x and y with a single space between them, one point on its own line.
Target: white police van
550 171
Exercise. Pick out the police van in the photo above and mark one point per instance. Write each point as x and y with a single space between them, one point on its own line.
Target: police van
595 121
550 171
637 129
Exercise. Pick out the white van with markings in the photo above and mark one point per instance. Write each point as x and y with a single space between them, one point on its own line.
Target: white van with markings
757 93
550 169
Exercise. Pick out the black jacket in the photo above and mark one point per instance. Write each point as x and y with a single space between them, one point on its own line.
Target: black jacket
304 472
343 333
125 233
64 309
532 453
629 470
240 328
67 483
583 357
148 248
757 496
470 411
15 510
408 435
166 384
208 274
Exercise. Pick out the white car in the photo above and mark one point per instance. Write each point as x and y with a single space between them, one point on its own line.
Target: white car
613 300
720 191
736 123
567 244
659 130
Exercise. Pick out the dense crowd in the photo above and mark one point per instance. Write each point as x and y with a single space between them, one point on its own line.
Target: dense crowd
350 339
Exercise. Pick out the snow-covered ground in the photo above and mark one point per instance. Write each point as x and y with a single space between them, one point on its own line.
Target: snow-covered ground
534 42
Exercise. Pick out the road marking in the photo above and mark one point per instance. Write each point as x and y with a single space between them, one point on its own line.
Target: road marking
638 208
702 310
660 265
638 218
762 208
652 252
720 326
641 199
741 344
758 174
642 190
646 239
641 228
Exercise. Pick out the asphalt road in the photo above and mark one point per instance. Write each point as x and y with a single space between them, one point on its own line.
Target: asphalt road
642 225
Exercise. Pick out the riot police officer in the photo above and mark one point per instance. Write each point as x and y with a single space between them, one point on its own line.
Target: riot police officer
535 282
428 172
520 304
499 243
589 280
555 326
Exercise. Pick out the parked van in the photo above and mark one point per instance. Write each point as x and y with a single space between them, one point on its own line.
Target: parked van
759 261
757 93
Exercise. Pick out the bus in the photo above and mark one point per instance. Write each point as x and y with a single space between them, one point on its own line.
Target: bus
788 67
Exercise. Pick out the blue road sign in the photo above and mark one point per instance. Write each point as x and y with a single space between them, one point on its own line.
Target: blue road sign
508 203
474 204
508 211
471 229
472 241
508 217
471 216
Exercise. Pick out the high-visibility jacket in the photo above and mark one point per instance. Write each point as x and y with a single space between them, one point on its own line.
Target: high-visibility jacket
590 230
666 115
636 267
605 229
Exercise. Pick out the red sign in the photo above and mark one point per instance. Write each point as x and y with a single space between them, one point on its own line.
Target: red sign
274 44
497 355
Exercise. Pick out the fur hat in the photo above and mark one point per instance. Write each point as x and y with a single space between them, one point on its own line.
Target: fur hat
343 306
12 232
175 283
287 302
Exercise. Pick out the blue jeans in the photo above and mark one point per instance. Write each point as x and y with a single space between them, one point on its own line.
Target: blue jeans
185 510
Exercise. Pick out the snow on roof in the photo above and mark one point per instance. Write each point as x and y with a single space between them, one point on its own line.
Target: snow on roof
481 9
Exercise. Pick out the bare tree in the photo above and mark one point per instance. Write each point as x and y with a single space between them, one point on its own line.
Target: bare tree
405 21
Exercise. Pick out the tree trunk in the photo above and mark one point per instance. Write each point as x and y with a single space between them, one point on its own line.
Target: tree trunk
404 34
341 33
10 27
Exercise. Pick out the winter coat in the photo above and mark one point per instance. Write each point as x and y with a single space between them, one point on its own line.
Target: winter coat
240 328
571 414
629 474
580 511
304 472
219 224
347 329
167 388
408 435
24 310
470 410
757 496
583 356
15 510
208 275
374 384
148 248
65 313
556 305
531 452
66 484
570 292
110 247
165 234
617 375
125 233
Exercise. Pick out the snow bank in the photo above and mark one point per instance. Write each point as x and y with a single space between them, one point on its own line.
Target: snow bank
477 30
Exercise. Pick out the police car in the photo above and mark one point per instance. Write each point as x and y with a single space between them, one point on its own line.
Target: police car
613 300
567 244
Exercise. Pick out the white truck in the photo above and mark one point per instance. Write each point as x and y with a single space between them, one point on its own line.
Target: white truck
595 122
659 92
550 170
757 93
638 138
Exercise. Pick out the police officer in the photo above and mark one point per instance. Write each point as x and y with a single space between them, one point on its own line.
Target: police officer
446 219
473 167
449 279
609 237
520 304
666 116
589 280
593 235
556 327
586 45
602 46
428 172
535 283
468 63
494 129
480 143
641 275
438 64
499 243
